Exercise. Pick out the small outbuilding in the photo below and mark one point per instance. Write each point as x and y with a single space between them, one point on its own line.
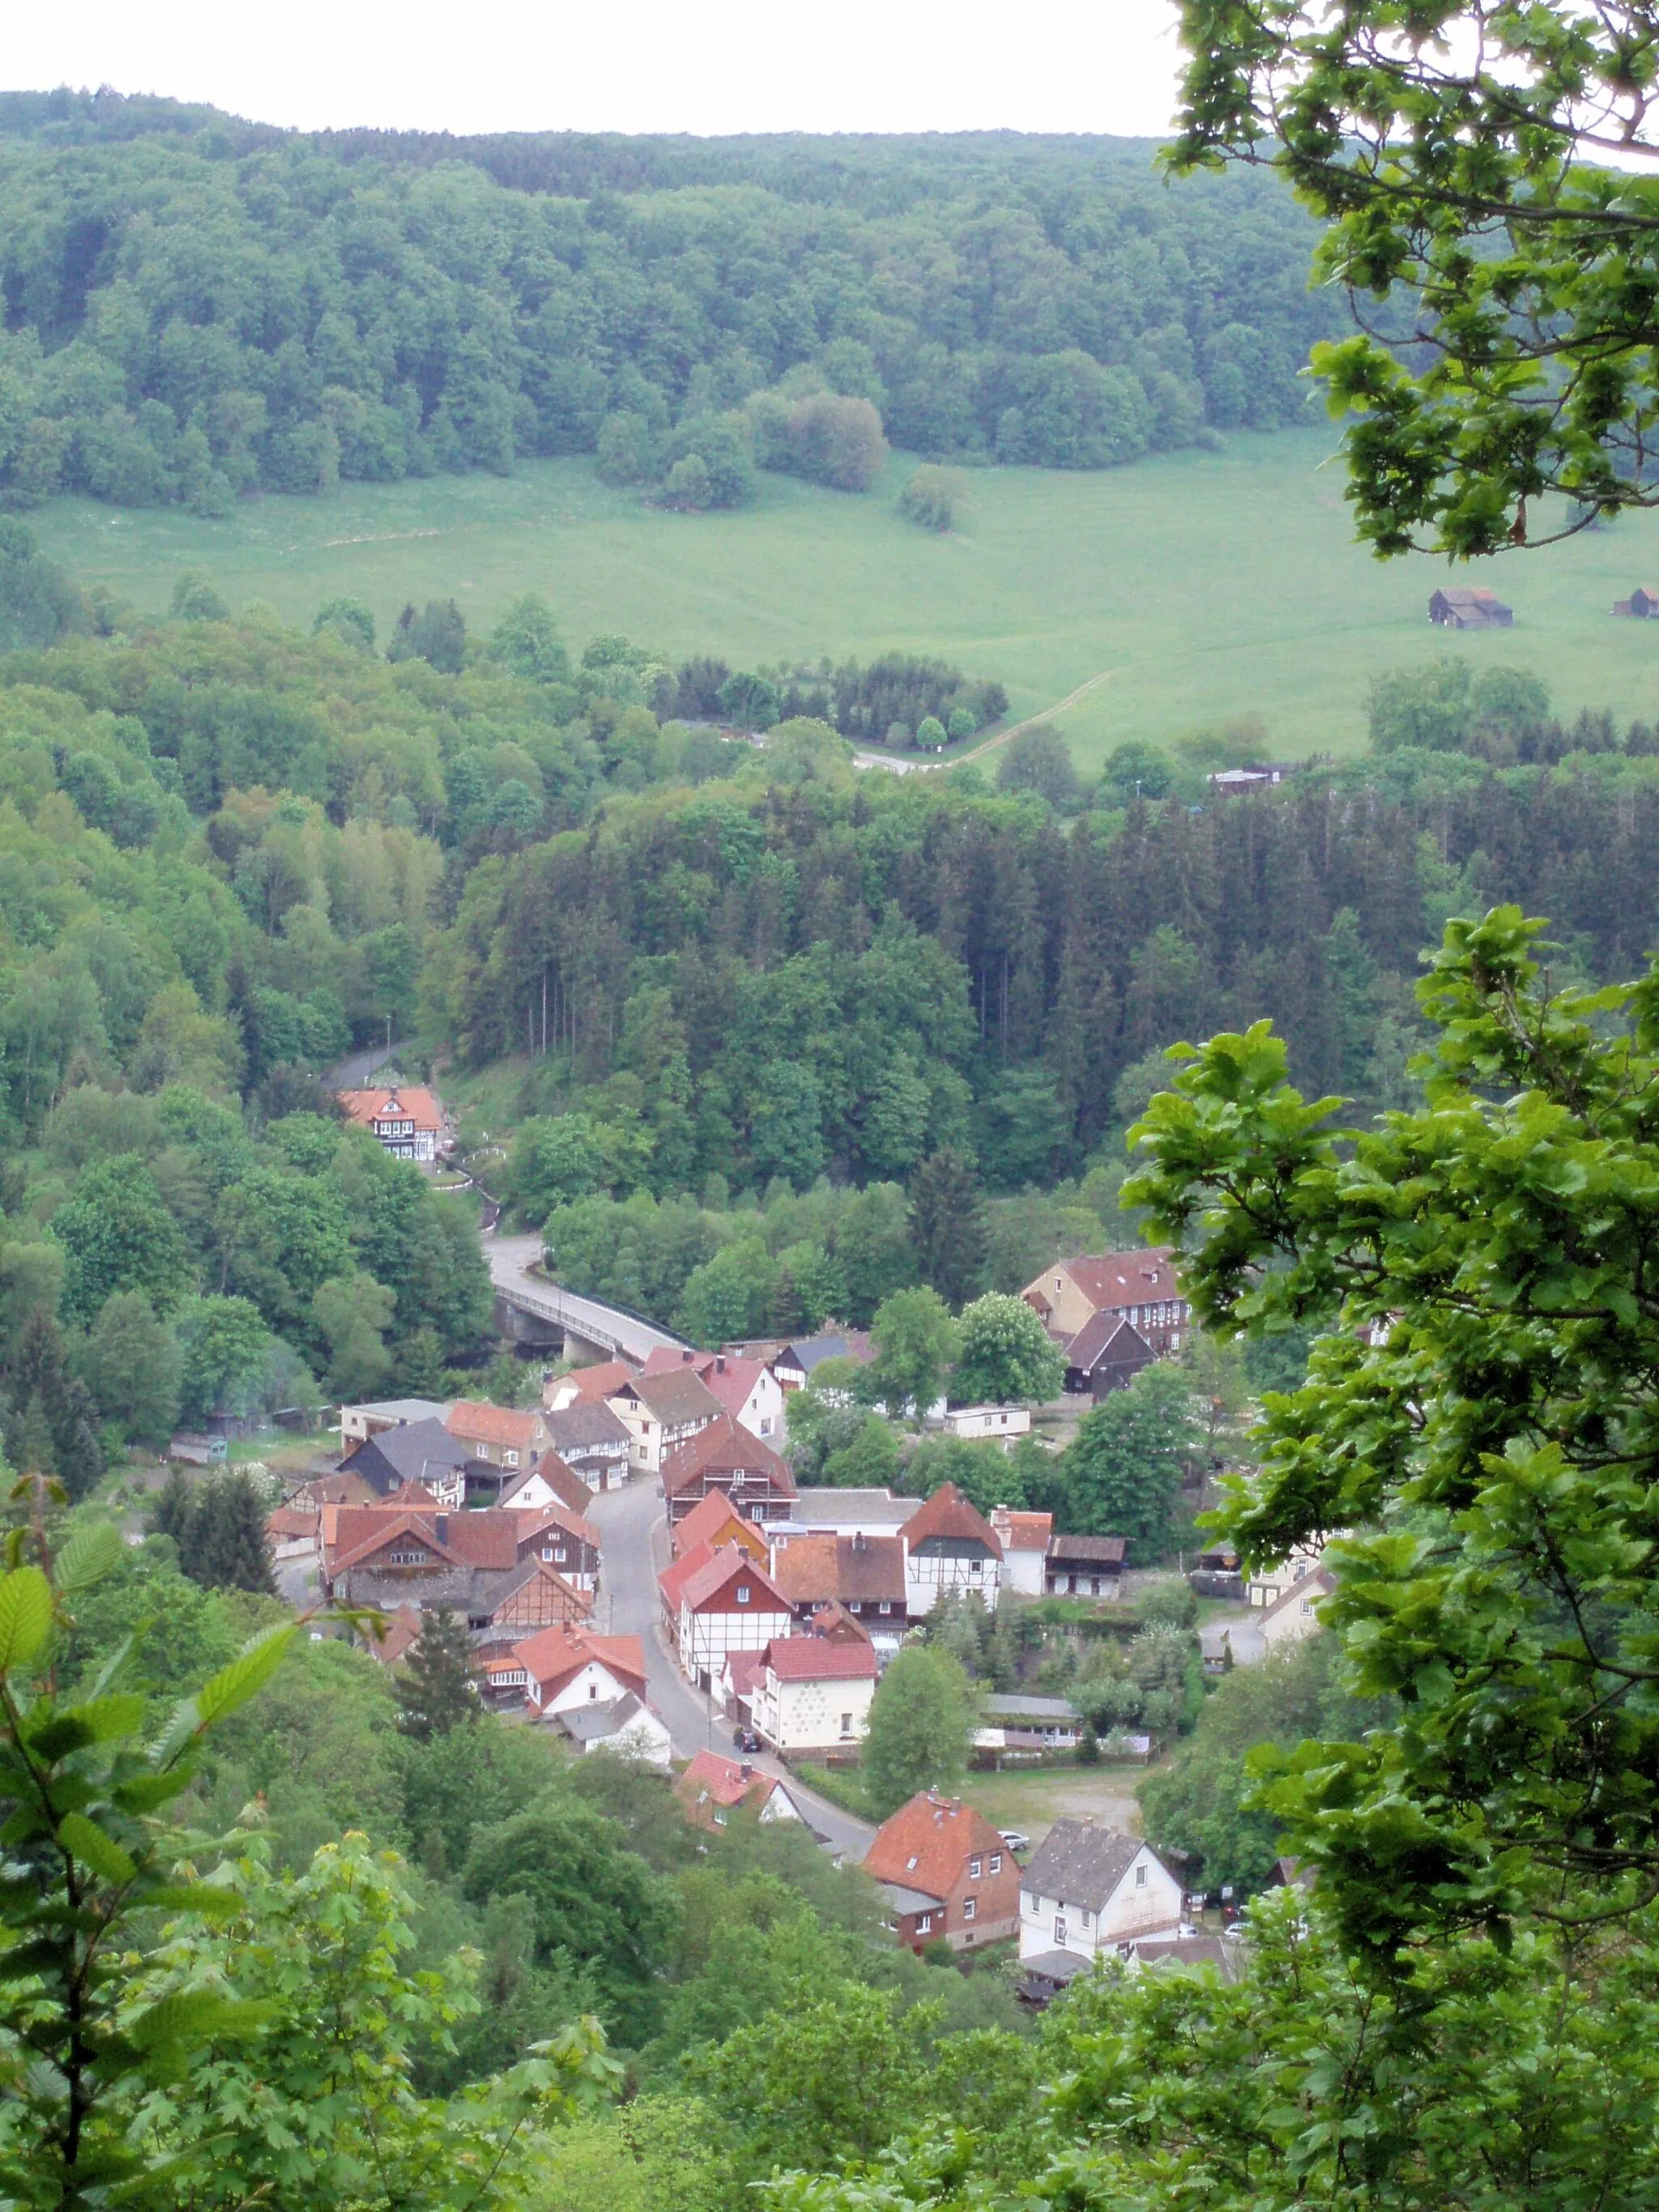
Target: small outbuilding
1642 604
1474 608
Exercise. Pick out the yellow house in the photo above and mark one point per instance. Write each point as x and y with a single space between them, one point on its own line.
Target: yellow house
1139 1286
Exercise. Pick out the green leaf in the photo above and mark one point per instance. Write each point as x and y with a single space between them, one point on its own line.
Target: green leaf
89 1556
100 1721
25 1615
233 1686
86 1841
194 2016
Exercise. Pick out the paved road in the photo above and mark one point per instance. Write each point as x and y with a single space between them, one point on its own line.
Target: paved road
626 1520
352 1074
511 1259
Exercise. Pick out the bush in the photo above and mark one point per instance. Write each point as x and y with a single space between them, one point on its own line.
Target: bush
931 499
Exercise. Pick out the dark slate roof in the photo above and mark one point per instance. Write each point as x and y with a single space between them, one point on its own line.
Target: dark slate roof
1079 1863
593 1723
1096 1551
578 1427
1106 1339
1061 1966
406 1454
1204 1950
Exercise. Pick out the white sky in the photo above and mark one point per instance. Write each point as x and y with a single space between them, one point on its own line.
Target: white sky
707 66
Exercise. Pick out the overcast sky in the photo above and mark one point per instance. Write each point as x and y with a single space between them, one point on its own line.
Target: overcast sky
718 66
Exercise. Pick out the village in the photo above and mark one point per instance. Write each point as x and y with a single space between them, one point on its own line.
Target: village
639 1573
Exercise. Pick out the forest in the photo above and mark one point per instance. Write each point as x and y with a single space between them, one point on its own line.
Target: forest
195 309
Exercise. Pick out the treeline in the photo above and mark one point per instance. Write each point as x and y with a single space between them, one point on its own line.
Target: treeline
196 308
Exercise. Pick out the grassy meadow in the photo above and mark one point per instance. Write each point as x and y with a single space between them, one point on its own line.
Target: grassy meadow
1198 588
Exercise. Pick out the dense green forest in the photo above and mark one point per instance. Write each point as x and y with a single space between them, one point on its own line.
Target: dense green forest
196 308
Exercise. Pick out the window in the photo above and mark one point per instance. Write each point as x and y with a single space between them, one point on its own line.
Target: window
742 1592
996 1861
407 1558
1083 1918
511 1458
973 1866
885 1606
925 1923
970 1907
910 1864
978 1569
1141 1877
592 1689
766 1426
847 1724
1060 1930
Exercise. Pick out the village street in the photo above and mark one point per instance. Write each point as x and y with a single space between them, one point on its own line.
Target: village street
629 1607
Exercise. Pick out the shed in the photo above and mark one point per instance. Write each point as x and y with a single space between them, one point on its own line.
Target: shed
1642 603
1474 608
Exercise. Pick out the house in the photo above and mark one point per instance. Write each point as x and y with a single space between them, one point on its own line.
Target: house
747 1389
584 1386
552 1481
837 1626
1024 1541
715 1521
813 1694
564 1666
726 1603
359 1423
1642 603
1106 1354
415 1451
1255 776
1089 1890
593 1441
565 1541
1000 1423
410 1550
724 1456
408 1121
1139 1286
949 1546
864 1574
794 1361
1266 1585
1084 1566
735 1684
662 1411
1021 1722
713 1789
1295 1612
626 1725
946 1872
1476 608
849 1512
498 1437
1042 1979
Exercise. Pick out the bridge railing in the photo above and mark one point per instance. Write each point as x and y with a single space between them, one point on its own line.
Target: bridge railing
592 1318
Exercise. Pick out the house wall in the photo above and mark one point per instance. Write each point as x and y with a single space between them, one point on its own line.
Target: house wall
644 1737
1295 1618
762 1410
1268 1584
1022 1572
994 1899
705 1637
1135 1908
807 1715
997 1421
928 1578
592 1685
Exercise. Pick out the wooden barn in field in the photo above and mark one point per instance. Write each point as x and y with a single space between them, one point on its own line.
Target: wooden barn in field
1642 604
1472 608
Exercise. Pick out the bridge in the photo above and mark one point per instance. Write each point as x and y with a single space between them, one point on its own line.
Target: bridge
532 1311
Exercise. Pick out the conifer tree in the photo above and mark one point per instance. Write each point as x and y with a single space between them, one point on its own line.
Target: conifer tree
948 1226
50 1428
176 1515
228 1538
436 1690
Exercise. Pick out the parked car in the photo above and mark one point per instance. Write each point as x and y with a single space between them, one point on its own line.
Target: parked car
1015 1840
744 1740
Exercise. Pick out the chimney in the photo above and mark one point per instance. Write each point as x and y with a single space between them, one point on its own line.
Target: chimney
747 1772
685 1359
442 1525
720 1363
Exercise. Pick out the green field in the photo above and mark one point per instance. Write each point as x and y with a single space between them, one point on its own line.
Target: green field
1202 587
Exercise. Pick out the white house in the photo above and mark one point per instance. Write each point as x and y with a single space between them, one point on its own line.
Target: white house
662 1411
1268 1584
1295 1612
998 1423
950 1547
747 1389
359 1423
626 1725
725 1603
813 1695
564 1668
1024 1541
1089 1890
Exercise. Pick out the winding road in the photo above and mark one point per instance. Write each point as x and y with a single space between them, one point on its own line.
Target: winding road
511 1260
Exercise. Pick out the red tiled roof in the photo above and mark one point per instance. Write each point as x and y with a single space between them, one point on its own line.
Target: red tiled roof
672 1580
595 1385
553 1654
729 1377
926 1843
486 1538
723 1570
418 1105
1023 1531
812 1659
743 1670
536 1518
1113 1279
712 1519
810 1570
403 1632
289 1522
804 1569
834 1621
948 1513
722 1781
472 1420
724 1448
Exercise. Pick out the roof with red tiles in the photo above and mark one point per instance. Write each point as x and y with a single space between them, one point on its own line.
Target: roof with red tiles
718 1576
724 1781
472 1420
672 1580
553 1654
418 1105
725 1447
594 1385
715 1519
1023 1531
814 1659
1110 1280
926 1843
948 1514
